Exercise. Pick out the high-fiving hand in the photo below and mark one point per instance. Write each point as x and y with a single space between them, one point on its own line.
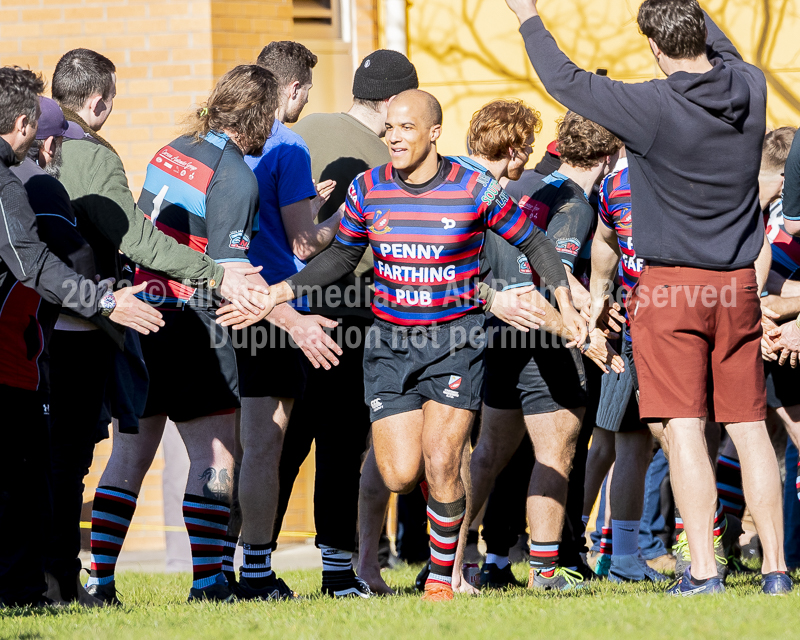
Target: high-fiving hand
523 9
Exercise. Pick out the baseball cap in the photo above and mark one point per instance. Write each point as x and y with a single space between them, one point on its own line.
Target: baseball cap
52 121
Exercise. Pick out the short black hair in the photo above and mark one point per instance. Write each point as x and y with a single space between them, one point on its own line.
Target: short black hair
288 61
678 27
81 74
19 95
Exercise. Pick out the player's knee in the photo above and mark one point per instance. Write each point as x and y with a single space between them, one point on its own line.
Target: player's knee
400 476
442 466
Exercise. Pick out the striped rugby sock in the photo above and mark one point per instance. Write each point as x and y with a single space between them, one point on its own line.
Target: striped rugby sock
445 520
207 523
338 575
719 521
678 524
729 486
606 541
257 566
228 552
112 511
544 557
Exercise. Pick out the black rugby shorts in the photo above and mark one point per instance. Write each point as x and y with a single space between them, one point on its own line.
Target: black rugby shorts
406 366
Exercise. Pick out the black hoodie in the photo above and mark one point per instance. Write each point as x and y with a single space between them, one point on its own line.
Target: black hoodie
694 149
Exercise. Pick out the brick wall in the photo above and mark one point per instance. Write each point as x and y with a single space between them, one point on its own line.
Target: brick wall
167 54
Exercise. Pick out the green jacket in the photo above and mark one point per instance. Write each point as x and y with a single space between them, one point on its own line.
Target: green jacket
110 221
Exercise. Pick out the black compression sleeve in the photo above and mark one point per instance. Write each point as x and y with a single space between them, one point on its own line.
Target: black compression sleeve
544 259
335 262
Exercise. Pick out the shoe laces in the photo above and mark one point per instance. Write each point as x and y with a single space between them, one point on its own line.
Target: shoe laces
681 547
572 577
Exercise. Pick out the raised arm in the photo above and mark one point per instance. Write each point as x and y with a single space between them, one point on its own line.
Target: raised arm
629 111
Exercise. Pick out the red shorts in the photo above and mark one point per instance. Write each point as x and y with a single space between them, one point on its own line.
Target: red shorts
696 343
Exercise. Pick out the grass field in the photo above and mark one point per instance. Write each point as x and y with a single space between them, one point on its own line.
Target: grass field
155 607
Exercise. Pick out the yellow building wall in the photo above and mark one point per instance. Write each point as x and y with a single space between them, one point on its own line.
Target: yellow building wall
468 52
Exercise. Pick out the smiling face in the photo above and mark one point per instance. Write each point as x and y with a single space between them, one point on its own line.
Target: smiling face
411 131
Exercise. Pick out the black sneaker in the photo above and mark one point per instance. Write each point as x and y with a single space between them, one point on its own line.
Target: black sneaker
493 577
276 589
220 591
106 593
348 585
422 577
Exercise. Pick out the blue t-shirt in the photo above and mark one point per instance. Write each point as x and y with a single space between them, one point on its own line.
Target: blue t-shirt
284 177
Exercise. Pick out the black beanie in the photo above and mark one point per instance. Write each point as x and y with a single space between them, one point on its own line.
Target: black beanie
383 74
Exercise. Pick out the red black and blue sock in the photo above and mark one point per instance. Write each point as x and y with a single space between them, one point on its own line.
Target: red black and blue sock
112 512
729 486
207 523
719 521
606 541
445 520
544 557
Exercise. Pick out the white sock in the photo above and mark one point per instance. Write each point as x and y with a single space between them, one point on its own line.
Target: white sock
500 561
335 559
625 534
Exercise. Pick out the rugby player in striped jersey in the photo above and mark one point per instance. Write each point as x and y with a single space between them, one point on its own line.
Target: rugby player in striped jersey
424 218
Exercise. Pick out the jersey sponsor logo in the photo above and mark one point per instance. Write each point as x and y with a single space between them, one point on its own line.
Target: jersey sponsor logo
455 382
524 265
352 192
45 409
172 161
632 263
484 180
449 223
421 275
380 223
376 404
569 246
536 211
413 251
491 192
239 240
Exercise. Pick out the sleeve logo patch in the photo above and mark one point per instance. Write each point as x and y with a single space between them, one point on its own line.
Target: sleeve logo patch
570 246
536 211
380 223
524 265
351 191
239 240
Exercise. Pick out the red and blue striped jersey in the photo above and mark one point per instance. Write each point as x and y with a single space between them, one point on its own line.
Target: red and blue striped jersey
615 213
785 246
204 195
427 239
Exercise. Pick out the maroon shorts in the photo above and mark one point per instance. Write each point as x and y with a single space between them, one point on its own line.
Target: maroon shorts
696 342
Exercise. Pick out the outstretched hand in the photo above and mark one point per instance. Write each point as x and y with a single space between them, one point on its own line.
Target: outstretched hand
232 316
242 290
513 310
324 191
320 349
602 354
523 9
133 313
